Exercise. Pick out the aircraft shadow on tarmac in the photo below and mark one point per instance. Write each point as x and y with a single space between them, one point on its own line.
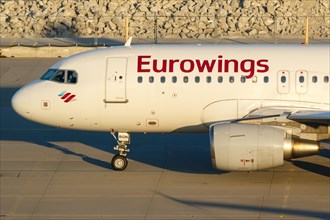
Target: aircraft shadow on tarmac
312 167
189 153
279 212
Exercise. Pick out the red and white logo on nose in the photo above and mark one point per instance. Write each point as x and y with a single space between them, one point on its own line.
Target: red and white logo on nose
66 96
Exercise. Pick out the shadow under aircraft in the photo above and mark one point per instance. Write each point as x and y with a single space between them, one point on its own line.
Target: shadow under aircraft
281 213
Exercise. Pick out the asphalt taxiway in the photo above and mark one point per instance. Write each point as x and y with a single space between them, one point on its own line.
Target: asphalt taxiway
47 173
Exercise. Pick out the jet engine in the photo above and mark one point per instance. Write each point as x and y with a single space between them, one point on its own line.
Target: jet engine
246 147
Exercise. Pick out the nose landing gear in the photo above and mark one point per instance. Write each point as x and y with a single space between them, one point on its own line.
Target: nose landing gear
119 161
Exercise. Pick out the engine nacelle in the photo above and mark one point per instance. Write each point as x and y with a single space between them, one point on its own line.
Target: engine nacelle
246 147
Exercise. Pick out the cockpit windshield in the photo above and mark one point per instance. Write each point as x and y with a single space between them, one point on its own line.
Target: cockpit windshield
48 75
61 76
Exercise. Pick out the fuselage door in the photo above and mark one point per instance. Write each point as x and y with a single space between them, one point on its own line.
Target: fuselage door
115 80
283 82
301 81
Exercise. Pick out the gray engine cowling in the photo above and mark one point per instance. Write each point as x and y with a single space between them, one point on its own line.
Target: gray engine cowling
246 147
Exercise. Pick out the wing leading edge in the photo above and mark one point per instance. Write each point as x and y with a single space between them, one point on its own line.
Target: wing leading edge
311 116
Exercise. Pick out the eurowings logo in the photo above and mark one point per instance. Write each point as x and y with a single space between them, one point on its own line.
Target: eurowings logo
66 96
219 64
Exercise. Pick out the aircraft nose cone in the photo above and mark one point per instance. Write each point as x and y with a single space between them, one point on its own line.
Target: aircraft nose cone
21 104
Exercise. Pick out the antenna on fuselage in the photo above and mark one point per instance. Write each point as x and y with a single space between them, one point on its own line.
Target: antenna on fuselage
306 41
127 39
128 42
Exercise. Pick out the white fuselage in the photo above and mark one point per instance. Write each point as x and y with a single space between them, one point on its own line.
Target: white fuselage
133 89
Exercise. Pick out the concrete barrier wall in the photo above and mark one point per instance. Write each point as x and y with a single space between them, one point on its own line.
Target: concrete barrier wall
42 52
164 18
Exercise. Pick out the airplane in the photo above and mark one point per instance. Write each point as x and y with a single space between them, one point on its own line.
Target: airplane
261 104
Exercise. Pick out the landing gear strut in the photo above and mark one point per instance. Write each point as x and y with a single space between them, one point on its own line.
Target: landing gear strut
119 161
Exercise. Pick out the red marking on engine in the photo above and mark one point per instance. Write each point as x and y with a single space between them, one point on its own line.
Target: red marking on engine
244 161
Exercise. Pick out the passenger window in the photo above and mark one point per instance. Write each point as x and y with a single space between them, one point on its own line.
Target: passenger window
185 79
314 79
140 79
301 79
209 79
220 79
283 79
162 79
231 79
326 79
266 79
254 79
59 76
243 79
174 79
72 77
197 79
151 79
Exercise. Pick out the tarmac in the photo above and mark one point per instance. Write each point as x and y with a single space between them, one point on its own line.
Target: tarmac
47 173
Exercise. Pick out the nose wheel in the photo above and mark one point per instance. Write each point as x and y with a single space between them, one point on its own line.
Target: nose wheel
119 161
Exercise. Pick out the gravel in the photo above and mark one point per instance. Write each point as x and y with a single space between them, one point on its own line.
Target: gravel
166 18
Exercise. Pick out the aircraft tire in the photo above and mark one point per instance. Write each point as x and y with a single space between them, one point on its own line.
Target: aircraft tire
119 162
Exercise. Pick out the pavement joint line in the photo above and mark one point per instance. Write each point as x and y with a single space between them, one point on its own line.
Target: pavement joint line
271 182
44 192
261 206
155 189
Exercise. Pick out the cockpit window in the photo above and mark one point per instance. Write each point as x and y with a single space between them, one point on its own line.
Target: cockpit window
48 75
72 77
61 76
